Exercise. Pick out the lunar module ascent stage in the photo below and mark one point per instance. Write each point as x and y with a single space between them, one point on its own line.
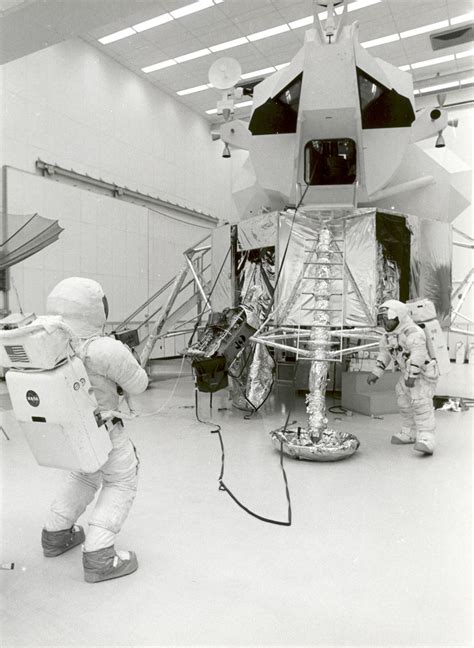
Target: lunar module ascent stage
340 211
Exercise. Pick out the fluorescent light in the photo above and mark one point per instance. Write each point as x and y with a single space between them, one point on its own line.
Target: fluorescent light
250 75
381 41
159 66
191 8
466 81
153 22
243 104
200 88
228 44
360 4
266 33
460 55
281 66
192 55
212 111
218 1
441 86
434 61
424 29
302 22
111 38
404 68
463 18
416 92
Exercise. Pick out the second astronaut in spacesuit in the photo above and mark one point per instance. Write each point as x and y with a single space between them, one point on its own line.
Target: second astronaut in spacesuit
405 343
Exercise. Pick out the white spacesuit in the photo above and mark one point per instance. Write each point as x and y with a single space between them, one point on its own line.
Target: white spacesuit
110 367
404 342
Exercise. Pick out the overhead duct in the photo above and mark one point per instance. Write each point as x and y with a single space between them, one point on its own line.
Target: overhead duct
452 37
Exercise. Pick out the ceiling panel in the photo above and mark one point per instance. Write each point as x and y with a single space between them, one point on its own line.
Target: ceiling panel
40 20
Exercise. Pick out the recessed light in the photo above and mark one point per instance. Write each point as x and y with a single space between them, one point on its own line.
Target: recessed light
250 75
266 33
228 44
424 29
461 55
381 41
463 18
158 66
434 61
441 86
153 22
192 55
111 38
191 8
193 90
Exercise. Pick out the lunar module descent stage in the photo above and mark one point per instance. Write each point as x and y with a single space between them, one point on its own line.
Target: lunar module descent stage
340 210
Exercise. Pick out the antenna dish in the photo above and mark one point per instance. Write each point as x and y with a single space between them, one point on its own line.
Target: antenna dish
224 73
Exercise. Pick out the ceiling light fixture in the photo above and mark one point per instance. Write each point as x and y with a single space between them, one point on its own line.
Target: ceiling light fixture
228 44
212 111
266 33
193 90
111 38
301 22
381 41
192 55
434 61
404 68
257 73
463 18
440 86
461 55
243 104
281 66
467 81
153 22
423 30
158 66
191 8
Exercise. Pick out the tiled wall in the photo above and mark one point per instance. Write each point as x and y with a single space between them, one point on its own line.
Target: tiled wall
129 249
70 105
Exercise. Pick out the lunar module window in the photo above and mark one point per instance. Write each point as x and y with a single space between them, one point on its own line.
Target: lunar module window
381 107
330 162
279 113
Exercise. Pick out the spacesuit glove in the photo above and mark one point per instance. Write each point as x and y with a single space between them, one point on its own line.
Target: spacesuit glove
371 379
409 382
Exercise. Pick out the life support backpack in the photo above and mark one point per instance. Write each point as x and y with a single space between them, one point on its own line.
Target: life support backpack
423 313
52 397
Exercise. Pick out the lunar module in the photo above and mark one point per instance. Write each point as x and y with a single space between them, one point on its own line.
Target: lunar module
340 210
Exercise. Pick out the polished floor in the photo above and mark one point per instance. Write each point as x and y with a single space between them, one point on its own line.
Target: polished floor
379 552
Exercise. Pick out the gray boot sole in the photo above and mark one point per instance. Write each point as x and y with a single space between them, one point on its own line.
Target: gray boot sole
396 441
420 446
127 567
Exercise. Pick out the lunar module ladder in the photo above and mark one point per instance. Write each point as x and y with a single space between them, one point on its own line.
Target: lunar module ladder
328 271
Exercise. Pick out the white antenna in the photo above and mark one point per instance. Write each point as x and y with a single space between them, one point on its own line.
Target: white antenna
224 73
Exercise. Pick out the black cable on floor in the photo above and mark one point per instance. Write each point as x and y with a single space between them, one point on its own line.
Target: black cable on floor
222 485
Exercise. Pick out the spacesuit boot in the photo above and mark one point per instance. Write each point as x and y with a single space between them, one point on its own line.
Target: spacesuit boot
406 435
425 442
55 543
104 564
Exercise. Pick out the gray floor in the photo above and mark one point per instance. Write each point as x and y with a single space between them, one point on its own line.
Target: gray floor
379 552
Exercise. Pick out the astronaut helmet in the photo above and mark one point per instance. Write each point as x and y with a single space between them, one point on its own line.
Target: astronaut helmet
391 313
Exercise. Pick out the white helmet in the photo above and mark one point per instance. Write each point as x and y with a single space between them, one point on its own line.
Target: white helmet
391 313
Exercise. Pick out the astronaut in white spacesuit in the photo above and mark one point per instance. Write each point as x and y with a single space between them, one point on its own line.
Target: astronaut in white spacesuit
111 369
404 342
